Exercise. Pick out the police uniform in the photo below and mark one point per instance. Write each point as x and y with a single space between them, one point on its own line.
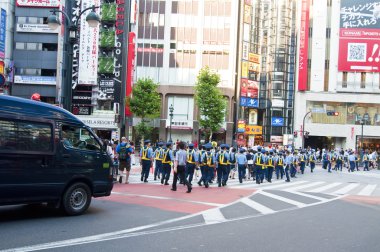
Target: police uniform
191 161
222 169
302 161
279 166
312 160
259 162
158 160
269 164
288 165
208 163
366 162
167 162
201 164
146 154
241 161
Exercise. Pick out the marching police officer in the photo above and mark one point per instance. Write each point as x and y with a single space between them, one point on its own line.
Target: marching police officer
241 161
146 159
222 169
269 164
191 162
158 158
259 161
279 165
312 160
167 162
208 162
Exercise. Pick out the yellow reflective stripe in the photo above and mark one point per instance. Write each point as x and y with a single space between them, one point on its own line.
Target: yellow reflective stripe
164 161
144 154
280 161
222 159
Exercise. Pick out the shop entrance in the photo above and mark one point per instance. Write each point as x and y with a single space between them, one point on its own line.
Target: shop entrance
104 134
320 142
372 143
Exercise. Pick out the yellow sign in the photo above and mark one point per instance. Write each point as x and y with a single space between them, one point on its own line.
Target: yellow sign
247 14
1 67
255 58
253 130
244 69
254 67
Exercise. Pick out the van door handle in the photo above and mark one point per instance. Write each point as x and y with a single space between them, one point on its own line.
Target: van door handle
44 166
66 155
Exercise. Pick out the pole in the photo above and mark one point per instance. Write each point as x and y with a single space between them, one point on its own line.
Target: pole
170 127
361 141
303 129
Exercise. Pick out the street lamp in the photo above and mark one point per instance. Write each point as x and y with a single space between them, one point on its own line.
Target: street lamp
53 21
171 109
362 122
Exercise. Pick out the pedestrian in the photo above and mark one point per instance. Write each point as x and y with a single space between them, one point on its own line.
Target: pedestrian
232 163
250 156
208 162
352 161
365 161
180 166
279 166
167 162
259 163
124 151
288 164
312 160
222 163
146 160
269 163
241 161
159 154
191 162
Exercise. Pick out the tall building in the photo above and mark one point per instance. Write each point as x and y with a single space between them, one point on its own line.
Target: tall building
338 76
175 39
270 37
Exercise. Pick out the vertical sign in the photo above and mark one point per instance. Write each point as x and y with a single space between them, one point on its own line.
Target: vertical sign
88 48
359 36
3 26
304 42
130 68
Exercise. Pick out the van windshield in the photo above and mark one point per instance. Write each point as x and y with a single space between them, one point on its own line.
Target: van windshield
79 138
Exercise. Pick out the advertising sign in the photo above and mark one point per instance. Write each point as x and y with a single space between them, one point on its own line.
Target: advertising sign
130 68
3 25
252 116
244 69
241 126
245 51
82 98
247 14
277 121
38 28
30 79
88 48
359 36
253 130
254 58
38 3
99 122
240 140
304 42
106 89
109 11
276 139
249 88
249 102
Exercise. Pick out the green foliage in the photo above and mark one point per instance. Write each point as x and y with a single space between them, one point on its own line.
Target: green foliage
145 102
210 101
108 11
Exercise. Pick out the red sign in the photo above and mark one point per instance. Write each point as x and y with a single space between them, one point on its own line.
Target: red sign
359 36
352 132
304 42
249 88
130 68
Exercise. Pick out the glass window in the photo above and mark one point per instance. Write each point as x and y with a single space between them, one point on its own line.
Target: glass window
79 138
20 46
25 136
32 20
31 46
21 20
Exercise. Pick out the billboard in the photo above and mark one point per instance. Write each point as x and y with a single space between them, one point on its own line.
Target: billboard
359 36
38 3
304 46
37 28
3 26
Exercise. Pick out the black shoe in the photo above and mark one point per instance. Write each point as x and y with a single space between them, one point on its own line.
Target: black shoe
158 176
219 185
257 182
173 189
145 181
120 179
166 183
155 178
200 183
142 178
162 181
223 183
241 181
206 185
189 189
287 180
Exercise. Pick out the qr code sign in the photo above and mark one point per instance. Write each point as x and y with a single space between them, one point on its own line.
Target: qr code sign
357 52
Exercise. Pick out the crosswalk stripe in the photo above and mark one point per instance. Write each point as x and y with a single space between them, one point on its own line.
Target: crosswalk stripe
304 186
308 196
253 184
368 190
286 200
283 185
257 206
212 216
346 189
324 188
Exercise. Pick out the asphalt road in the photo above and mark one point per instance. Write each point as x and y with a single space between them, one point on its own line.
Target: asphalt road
315 212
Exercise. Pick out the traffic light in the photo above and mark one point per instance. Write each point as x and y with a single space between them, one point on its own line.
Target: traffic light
332 113
295 134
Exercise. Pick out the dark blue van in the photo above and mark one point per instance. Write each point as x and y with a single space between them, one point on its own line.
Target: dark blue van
47 155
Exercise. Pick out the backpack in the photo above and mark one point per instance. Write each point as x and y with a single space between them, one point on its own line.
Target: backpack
232 158
123 152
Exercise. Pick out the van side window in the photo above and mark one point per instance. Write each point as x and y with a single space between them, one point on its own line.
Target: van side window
25 136
79 138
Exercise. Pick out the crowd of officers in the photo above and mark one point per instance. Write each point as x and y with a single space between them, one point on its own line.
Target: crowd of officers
219 164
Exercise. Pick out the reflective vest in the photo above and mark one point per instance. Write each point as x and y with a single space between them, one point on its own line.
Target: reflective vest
312 158
280 161
302 158
270 162
167 159
159 154
144 155
365 158
200 157
259 159
222 159
209 160
190 157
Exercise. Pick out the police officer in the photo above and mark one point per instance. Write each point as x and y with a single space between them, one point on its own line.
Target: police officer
202 150
250 162
366 161
146 159
279 165
232 167
191 161
302 161
293 167
167 162
351 160
208 162
222 168
312 160
326 161
241 161
269 163
259 162
158 153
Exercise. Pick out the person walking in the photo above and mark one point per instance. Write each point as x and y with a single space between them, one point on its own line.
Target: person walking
222 167
159 154
179 167
279 165
124 151
312 160
167 161
269 163
288 164
146 159
241 161
191 162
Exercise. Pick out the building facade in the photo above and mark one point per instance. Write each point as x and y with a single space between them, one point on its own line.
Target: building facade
340 75
175 39
6 48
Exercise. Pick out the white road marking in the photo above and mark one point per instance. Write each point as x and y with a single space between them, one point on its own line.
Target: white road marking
168 198
286 200
368 190
213 216
346 189
285 184
324 188
296 188
261 208
308 195
248 184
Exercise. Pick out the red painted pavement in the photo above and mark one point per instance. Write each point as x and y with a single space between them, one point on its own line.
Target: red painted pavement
370 200
178 201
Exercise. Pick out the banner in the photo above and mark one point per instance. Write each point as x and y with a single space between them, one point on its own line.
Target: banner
304 42
253 130
38 3
359 36
88 48
38 28
3 25
31 79
130 68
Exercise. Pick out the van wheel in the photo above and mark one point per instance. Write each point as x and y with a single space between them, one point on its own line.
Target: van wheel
76 199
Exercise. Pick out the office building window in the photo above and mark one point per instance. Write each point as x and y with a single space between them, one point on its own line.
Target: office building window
362 80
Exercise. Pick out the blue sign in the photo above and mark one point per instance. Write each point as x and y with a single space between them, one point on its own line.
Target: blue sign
2 80
3 19
249 102
277 121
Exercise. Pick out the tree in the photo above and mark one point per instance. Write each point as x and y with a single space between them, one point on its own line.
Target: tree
145 103
210 101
